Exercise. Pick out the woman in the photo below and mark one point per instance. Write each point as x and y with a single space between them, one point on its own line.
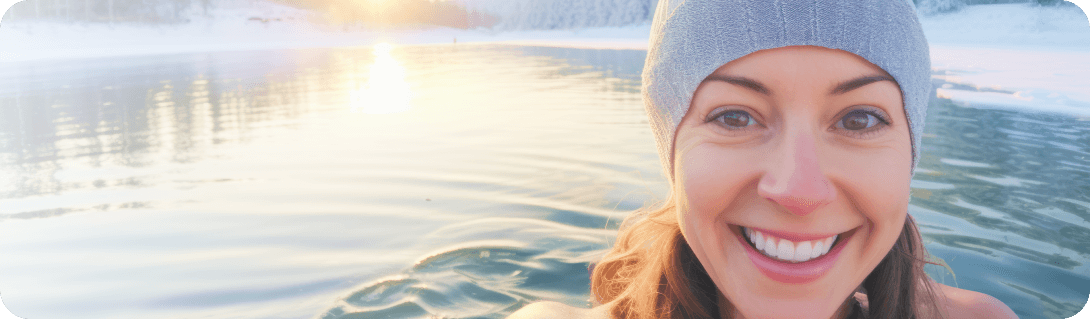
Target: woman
790 132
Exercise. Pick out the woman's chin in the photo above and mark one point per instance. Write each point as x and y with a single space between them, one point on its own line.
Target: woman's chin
771 307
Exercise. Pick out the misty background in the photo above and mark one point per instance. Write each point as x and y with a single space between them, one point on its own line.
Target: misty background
462 14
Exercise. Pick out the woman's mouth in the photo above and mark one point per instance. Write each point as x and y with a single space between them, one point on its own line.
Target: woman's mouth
792 258
786 250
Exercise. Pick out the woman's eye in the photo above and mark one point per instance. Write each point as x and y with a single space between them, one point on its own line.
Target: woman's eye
859 120
735 119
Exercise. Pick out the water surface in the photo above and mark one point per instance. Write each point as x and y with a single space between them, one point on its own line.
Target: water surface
457 181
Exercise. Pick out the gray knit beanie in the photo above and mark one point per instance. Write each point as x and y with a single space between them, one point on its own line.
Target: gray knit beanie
690 39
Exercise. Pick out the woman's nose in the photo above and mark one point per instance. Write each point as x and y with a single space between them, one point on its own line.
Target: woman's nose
793 177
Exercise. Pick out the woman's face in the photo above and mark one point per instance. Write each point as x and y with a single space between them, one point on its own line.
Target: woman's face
799 144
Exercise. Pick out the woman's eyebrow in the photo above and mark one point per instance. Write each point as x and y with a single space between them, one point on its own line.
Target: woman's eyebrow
841 88
856 83
740 81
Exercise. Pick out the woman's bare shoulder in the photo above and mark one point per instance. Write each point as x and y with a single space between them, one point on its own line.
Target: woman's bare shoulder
550 309
968 304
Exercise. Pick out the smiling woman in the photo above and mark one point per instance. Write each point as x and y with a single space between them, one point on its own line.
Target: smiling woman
790 134
804 137
799 220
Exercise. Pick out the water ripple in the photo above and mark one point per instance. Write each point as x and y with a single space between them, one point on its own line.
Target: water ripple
486 276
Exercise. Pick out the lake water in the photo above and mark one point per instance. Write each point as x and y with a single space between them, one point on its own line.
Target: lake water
445 181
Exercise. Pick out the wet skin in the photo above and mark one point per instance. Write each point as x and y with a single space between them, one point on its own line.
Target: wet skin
776 140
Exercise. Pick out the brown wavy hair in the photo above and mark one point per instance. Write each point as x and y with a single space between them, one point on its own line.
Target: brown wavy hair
653 274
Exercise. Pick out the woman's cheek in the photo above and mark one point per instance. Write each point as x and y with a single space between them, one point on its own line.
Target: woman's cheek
878 175
877 184
704 178
711 178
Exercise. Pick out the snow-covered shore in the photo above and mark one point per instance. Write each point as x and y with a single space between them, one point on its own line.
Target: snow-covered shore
1037 57
1038 54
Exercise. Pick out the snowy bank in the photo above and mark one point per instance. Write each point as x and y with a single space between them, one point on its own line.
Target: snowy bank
1000 55
1016 56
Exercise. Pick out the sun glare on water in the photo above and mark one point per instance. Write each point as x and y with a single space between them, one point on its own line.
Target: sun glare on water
386 90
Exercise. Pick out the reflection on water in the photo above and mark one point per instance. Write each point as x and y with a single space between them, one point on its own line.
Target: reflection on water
132 116
263 184
386 90
243 185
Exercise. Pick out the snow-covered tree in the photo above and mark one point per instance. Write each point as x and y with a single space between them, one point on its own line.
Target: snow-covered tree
928 7
142 11
499 14
565 14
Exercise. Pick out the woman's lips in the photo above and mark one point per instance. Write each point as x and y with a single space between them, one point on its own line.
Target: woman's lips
794 273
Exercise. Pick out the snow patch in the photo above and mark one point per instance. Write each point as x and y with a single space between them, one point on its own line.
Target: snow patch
1030 79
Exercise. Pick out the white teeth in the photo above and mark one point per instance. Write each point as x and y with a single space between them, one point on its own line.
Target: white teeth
803 251
819 249
770 247
787 250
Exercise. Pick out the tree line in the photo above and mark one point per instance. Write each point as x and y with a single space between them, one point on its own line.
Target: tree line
504 14
376 13
109 11
362 12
